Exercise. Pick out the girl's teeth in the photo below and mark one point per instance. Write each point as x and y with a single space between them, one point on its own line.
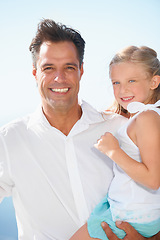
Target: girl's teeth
129 98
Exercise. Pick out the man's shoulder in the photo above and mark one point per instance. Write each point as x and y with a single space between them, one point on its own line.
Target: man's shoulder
23 123
113 121
111 116
102 118
16 124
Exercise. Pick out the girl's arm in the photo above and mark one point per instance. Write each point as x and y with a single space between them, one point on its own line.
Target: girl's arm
147 132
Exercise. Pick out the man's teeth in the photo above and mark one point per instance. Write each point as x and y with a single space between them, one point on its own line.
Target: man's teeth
60 90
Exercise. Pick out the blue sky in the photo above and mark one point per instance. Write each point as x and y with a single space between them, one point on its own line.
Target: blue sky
106 25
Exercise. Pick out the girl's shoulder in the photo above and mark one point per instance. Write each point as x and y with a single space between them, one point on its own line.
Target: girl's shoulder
148 118
148 114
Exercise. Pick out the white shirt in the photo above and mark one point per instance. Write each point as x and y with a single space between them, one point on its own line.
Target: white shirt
55 180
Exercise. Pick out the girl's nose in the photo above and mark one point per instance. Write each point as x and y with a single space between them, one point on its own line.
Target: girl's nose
123 88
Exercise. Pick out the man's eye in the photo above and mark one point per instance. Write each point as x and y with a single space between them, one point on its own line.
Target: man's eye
47 68
70 68
131 81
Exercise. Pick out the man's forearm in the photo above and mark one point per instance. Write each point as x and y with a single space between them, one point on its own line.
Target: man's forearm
155 237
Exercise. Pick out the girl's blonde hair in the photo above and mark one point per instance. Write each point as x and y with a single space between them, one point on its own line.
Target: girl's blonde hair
145 56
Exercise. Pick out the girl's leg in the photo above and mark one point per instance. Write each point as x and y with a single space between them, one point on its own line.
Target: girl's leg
82 234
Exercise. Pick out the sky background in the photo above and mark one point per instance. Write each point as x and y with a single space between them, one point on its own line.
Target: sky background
107 26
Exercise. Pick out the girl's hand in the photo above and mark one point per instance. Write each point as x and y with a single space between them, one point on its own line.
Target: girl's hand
107 144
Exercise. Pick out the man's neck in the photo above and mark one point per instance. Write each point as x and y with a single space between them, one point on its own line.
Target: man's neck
63 121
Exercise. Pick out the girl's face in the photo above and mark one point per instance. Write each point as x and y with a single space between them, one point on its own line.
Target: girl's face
130 83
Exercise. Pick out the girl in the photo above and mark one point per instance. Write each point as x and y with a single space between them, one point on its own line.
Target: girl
134 193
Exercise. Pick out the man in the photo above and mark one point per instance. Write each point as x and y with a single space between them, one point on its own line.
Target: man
47 160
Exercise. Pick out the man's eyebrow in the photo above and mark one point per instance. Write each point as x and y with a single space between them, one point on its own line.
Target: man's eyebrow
51 64
47 65
73 64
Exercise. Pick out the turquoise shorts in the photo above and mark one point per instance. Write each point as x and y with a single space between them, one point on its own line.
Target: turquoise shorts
102 213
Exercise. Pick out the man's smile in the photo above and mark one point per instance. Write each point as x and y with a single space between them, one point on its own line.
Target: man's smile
60 90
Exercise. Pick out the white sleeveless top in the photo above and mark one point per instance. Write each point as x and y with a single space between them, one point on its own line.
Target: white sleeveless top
130 201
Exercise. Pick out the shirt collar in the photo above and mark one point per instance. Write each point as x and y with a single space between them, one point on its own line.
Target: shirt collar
89 116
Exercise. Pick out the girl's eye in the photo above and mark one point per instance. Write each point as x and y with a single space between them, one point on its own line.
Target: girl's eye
131 81
115 83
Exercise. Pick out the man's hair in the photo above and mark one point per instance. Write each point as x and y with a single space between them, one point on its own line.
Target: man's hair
48 30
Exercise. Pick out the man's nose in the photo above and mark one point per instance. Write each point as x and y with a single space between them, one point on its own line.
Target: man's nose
59 76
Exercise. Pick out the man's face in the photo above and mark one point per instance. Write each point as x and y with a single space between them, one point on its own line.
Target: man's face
58 74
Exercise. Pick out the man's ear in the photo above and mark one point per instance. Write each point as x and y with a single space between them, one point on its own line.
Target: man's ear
155 81
81 70
34 71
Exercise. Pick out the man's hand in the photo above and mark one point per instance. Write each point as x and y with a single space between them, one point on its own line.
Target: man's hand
131 233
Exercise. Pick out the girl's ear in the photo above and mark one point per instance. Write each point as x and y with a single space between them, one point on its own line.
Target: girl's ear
155 81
